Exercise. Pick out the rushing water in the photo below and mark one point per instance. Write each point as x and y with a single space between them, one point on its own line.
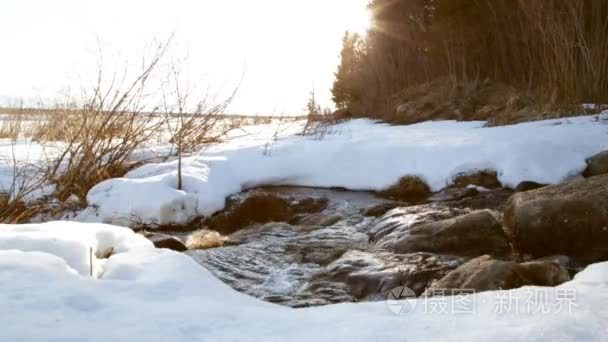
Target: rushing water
333 256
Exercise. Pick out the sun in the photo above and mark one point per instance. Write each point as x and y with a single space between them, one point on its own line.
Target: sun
360 21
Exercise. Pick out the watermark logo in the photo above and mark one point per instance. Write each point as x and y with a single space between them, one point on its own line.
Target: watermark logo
401 300
532 300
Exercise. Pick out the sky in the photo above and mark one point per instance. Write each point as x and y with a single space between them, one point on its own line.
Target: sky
276 51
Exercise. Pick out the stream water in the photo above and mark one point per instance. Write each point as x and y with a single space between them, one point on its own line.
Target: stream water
337 255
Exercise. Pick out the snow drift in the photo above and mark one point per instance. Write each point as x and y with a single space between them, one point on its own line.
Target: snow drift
147 294
357 155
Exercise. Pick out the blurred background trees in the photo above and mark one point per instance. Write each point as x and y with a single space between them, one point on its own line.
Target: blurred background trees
553 51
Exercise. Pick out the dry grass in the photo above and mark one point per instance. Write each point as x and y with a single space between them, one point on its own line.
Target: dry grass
96 140
411 189
496 102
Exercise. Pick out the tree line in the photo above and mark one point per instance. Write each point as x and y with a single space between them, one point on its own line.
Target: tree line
555 50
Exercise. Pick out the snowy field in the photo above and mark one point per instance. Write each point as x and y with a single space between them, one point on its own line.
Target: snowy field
357 155
145 294
58 283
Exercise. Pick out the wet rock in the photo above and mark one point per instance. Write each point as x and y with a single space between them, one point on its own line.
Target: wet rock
573 266
569 218
597 165
472 234
381 209
204 239
165 241
454 194
388 228
487 274
260 207
410 189
484 178
528 185
371 275
494 199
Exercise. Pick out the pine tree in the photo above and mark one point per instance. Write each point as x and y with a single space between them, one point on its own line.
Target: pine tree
343 87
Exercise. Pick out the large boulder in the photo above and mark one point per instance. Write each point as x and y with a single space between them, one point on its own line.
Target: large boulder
570 218
472 234
454 194
396 223
261 207
165 241
494 199
597 165
371 275
487 274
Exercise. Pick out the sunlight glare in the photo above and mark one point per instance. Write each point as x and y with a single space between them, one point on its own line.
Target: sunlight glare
360 20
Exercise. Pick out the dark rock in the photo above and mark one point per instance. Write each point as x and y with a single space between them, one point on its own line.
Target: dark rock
484 178
494 199
410 189
381 209
528 185
260 207
165 241
472 234
371 275
569 218
487 274
573 266
454 194
597 165
397 222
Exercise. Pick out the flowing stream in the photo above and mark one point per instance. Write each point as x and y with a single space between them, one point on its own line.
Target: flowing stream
334 256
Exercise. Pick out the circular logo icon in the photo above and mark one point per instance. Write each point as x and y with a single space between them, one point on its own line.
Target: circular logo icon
401 300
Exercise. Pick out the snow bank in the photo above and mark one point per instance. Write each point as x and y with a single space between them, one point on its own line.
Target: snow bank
358 155
147 294
71 242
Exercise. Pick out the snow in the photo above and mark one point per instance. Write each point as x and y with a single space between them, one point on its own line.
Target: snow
148 294
72 243
358 155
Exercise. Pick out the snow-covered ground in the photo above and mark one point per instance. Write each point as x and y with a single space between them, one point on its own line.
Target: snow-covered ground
24 158
358 155
145 294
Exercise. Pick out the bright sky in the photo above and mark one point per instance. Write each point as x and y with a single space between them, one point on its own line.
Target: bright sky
284 47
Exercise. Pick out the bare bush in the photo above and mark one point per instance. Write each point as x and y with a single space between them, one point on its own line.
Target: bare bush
192 126
26 180
97 137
